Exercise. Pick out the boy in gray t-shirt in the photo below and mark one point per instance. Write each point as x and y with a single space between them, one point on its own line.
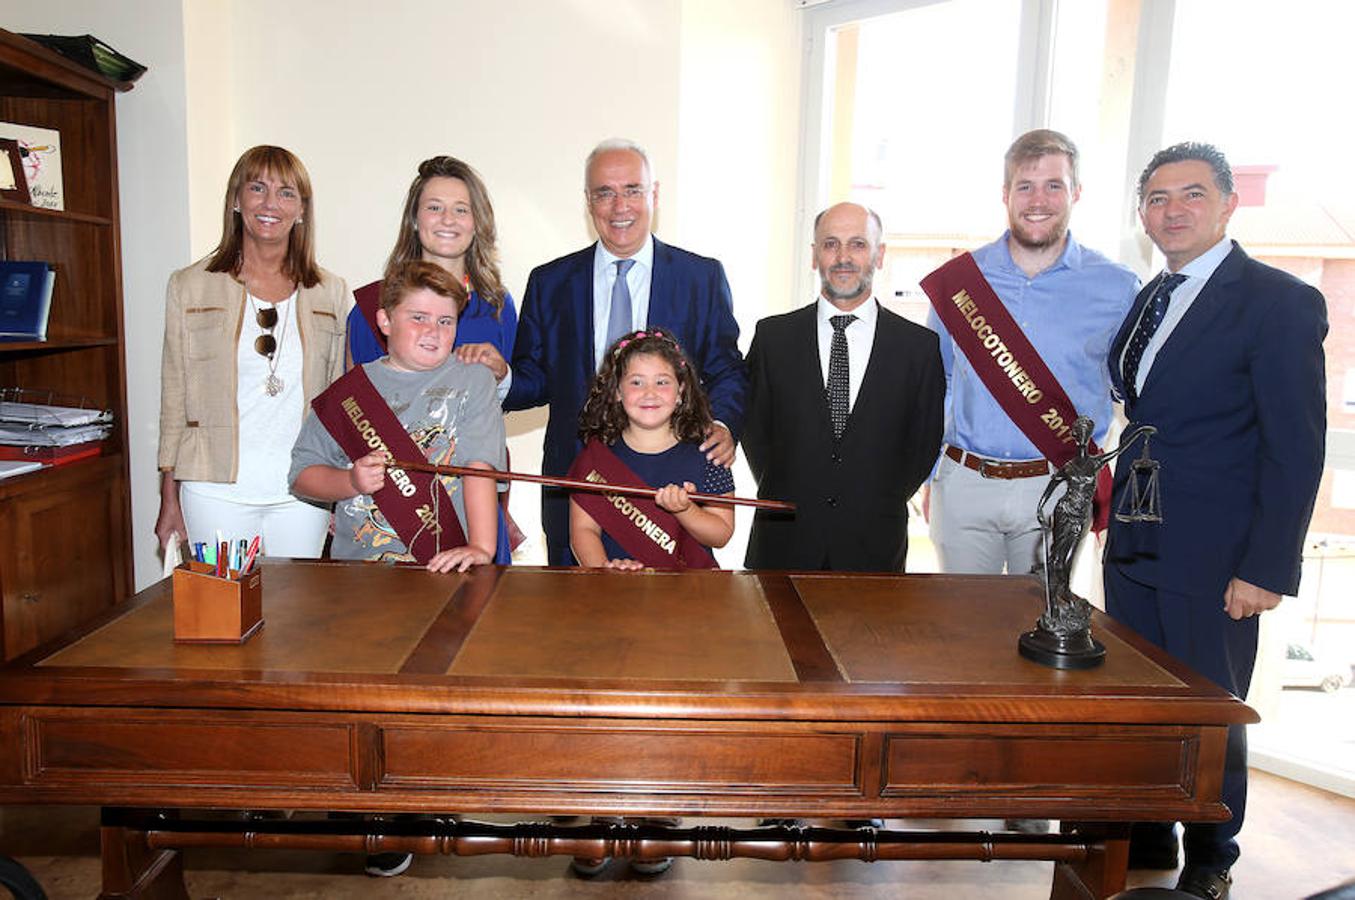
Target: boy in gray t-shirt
449 408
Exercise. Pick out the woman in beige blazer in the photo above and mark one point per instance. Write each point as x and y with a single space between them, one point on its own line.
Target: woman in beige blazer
252 333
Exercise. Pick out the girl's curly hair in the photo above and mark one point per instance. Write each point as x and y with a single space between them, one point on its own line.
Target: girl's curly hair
604 418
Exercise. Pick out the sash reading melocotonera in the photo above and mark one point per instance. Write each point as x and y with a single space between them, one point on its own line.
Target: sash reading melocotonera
649 534
414 503
1010 367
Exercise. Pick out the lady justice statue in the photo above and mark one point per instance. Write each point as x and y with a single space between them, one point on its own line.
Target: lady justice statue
1062 637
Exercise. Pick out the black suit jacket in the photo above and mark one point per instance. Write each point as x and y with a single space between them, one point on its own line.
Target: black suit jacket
1238 395
852 495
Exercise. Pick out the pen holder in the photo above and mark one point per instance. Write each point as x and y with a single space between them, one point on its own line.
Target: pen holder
211 610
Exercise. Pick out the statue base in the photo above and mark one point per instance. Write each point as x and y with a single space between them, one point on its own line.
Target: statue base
1078 650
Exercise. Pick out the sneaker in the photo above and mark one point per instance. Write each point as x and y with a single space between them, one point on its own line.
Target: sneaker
388 865
1027 826
588 866
856 824
651 867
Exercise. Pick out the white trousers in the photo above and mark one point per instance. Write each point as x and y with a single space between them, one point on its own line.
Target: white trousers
291 528
986 526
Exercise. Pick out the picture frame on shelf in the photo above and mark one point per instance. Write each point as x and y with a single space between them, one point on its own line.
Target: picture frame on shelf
40 149
13 182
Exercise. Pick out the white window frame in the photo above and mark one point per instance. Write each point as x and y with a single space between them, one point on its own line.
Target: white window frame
1035 55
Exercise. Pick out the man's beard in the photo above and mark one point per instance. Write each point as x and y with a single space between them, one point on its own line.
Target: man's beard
1024 238
864 283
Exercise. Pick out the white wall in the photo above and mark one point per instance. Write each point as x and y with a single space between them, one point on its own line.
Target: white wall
152 174
738 134
520 89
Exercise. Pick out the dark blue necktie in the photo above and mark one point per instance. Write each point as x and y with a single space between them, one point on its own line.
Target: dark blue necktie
1153 314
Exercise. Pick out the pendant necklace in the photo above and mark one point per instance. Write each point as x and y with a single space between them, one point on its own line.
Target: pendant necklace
266 345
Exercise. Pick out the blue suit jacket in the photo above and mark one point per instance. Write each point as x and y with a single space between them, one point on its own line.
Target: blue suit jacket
553 353
1238 395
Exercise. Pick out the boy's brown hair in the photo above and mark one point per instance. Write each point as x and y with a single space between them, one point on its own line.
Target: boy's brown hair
404 278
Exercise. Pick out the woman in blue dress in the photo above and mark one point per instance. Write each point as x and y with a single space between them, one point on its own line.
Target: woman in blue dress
448 220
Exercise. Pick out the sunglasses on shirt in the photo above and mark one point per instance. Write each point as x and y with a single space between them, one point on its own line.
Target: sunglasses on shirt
266 344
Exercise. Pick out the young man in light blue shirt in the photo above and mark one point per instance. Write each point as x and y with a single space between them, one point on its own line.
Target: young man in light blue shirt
1068 300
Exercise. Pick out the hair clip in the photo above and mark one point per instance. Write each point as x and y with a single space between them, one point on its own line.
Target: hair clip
653 334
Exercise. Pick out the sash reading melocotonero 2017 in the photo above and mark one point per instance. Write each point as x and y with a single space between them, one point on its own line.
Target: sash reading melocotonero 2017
414 503
1009 366
649 534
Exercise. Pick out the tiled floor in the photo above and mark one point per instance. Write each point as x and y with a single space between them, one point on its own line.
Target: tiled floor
1298 841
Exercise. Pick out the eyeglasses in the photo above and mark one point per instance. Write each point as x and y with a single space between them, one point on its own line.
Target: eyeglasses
605 195
266 344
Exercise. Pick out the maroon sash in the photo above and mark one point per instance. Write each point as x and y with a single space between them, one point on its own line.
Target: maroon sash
414 503
649 534
1010 367
369 301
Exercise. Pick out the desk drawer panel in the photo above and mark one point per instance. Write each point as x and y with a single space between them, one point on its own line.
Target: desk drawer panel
1036 764
712 762
189 750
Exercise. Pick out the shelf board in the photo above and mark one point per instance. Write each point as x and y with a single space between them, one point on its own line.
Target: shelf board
70 343
28 65
15 484
69 215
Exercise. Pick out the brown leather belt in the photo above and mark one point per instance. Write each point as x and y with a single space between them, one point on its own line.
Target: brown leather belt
995 468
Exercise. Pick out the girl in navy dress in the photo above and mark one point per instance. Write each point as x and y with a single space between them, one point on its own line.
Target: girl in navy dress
643 422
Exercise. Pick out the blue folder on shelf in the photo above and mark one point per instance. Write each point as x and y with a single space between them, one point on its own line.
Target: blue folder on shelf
25 299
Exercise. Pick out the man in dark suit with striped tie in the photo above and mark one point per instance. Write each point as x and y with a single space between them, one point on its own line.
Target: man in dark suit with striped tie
1223 355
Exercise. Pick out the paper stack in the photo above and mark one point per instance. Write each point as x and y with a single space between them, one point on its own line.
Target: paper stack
49 432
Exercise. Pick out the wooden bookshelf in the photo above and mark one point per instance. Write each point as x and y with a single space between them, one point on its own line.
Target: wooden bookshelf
65 531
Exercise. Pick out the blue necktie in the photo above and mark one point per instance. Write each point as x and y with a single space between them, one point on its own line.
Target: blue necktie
839 372
1153 314
619 316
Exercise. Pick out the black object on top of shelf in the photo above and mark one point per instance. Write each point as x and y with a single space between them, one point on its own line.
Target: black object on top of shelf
93 54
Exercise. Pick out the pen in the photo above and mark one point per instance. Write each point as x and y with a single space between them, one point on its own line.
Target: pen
222 559
249 557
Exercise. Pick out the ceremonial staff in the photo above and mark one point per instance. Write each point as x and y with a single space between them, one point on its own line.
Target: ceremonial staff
577 485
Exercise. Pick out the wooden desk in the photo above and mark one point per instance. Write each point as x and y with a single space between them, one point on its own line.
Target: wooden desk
378 689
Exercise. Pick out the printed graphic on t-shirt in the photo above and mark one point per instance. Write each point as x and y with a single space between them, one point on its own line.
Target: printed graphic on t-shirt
432 421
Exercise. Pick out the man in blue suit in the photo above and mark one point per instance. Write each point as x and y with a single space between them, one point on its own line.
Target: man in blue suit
575 306
1223 355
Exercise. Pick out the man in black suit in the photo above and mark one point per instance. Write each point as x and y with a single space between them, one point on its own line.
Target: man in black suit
844 413
1222 354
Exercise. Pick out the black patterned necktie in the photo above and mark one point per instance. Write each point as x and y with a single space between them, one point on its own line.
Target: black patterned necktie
1153 314
839 372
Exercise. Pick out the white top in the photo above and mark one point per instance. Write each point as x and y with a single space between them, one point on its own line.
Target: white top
637 279
268 425
860 339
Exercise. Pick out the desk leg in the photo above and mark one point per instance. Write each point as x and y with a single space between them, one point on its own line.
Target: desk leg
1102 873
132 871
